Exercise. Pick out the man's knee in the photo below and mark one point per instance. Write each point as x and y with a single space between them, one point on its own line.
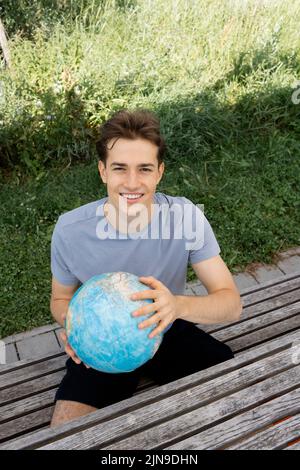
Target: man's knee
65 411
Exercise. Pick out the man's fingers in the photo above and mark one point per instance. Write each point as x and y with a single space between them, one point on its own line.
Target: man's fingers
68 348
63 337
72 354
147 310
151 281
159 329
153 320
144 294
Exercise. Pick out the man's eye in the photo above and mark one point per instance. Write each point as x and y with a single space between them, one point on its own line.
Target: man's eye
146 169
117 169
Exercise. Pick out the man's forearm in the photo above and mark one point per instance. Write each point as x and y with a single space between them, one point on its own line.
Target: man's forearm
59 310
224 305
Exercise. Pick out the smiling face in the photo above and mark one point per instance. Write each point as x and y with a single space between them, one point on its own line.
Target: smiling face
131 173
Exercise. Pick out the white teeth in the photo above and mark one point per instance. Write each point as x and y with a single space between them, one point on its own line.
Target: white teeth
132 196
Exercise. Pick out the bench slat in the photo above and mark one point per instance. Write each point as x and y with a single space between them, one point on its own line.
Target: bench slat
31 387
283 280
159 435
27 388
260 336
295 446
270 364
27 423
243 424
287 283
272 291
26 405
246 326
29 370
259 310
245 358
273 438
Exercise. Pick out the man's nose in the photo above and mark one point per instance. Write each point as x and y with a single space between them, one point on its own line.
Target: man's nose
132 180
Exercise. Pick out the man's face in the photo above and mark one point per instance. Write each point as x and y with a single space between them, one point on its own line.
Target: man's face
131 173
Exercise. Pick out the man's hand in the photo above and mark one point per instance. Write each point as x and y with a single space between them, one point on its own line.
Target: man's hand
164 305
68 348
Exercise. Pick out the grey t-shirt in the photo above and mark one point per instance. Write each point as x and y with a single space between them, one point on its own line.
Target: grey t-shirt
84 243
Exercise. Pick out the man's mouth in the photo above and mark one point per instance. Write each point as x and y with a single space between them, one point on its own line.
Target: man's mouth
132 196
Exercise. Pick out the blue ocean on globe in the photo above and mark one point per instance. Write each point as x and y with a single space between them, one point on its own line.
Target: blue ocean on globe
101 329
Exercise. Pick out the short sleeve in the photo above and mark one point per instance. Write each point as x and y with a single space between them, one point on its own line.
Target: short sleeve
201 241
61 259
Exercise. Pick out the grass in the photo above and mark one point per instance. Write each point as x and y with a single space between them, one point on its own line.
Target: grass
220 78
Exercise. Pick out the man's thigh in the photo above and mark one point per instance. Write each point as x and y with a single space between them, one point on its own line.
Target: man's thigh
186 349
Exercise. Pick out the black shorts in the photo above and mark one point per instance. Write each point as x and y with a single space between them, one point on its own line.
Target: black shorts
185 349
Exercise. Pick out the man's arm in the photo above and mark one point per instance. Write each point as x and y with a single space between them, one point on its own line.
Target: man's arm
223 302
60 298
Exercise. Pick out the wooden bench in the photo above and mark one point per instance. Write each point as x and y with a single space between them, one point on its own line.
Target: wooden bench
251 401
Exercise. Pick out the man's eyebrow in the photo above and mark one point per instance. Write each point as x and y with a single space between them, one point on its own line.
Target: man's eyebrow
142 165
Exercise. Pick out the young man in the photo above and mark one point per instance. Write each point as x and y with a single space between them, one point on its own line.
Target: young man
138 230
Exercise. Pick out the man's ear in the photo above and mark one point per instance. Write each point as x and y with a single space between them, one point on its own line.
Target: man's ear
161 170
102 171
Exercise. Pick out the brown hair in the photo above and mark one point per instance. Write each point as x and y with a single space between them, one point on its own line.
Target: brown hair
132 125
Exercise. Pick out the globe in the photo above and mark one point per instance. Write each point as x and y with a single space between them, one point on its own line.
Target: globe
100 327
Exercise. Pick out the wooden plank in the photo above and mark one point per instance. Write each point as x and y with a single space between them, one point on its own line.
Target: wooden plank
16 366
259 336
30 371
133 431
268 365
277 282
27 423
256 323
159 393
276 437
38 371
290 282
232 430
259 310
22 407
31 387
271 292
295 446
28 388
259 292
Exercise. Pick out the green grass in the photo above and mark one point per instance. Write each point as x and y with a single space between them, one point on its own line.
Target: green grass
219 77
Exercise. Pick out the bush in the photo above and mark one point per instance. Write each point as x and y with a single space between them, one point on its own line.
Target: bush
84 60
